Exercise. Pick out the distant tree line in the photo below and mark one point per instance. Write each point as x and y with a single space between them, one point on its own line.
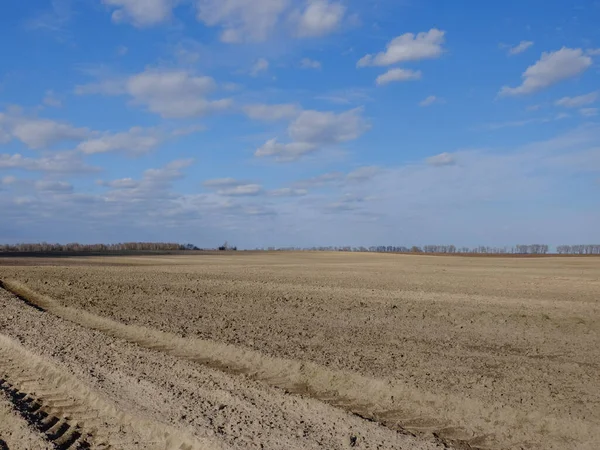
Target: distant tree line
227 248
521 249
45 247
589 249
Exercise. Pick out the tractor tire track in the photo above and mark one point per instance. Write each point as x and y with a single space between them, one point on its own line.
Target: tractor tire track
71 416
62 432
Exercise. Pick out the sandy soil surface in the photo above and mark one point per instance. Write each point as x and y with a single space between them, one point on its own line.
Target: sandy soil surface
217 410
506 349
15 432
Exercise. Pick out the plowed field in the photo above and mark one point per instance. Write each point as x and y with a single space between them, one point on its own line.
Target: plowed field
310 350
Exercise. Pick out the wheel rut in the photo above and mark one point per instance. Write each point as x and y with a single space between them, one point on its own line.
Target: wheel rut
71 416
64 433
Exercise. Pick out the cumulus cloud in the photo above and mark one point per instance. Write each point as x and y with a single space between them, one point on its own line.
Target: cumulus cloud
242 20
520 47
169 93
408 47
308 63
314 129
136 140
63 162
284 152
141 13
38 133
261 65
398 75
174 93
169 172
320 17
576 102
271 112
443 159
550 69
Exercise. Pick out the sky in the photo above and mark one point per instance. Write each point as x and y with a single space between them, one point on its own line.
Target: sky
300 122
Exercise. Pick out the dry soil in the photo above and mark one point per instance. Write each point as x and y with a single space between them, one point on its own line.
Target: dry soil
491 353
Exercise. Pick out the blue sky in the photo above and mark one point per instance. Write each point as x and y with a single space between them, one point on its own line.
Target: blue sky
300 122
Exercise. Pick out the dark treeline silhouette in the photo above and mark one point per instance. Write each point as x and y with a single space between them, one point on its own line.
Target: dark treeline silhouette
530 249
75 247
227 248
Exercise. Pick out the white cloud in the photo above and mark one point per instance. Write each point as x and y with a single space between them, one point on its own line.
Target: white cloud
308 63
398 75
430 101
141 13
222 183
123 183
550 69
593 51
63 162
38 133
242 20
167 173
261 65
8 180
320 17
363 173
241 190
320 128
520 47
53 186
50 99
312 129
170 93
284 152
588 112
271 112
576 102
230 187
288 192
174 93
42 133
443 159
136 140
408 47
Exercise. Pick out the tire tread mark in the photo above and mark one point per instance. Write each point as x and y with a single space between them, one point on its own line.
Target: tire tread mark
60 432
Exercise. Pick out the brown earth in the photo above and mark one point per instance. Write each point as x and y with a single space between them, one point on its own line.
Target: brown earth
500 352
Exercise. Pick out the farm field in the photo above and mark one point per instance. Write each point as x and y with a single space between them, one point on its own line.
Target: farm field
309 350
